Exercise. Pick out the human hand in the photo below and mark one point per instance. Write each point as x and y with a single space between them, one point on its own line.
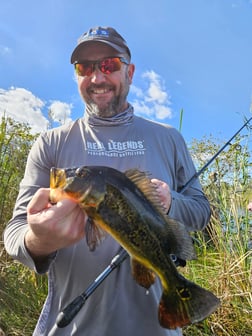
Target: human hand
164 193
52 227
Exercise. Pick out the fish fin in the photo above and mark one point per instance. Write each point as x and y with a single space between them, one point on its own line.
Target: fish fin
143 275
143 182
185 305
94 234
177 240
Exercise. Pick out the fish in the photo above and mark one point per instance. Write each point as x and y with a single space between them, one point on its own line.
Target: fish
126 205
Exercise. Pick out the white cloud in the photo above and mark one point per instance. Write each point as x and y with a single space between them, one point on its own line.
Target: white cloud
60 112
140 107
155 90
136 91
23 106
162 111
153 102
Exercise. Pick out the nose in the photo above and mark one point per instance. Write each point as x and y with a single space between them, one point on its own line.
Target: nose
97 76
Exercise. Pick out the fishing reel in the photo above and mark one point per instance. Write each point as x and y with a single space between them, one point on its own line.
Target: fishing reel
177 261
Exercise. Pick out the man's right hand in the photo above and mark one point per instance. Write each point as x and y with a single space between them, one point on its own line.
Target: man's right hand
52 227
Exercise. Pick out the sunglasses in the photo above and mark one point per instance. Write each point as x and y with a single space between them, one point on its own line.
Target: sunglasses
105 65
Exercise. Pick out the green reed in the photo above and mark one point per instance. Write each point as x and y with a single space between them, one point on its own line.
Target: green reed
224 249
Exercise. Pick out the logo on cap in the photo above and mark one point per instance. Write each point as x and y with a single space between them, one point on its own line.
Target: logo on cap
99 32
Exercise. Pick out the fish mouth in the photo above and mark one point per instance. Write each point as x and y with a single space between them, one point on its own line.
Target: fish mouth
63 186
57 178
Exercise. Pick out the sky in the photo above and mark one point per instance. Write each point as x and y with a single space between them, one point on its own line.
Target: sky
190 55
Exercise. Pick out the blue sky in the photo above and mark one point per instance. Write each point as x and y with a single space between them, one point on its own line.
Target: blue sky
194 55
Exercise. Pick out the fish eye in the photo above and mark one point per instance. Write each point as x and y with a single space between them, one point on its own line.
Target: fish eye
81 172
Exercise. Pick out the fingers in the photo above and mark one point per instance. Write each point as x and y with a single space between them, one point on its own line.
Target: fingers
53 226
164 193
61 210
39 201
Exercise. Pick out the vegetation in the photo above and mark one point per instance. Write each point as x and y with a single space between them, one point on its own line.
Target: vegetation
18 285
224 248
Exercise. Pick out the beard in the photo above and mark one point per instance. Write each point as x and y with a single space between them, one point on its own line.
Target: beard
110 108
107 110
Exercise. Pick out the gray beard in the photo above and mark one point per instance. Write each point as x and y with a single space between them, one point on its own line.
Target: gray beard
112 109
116 106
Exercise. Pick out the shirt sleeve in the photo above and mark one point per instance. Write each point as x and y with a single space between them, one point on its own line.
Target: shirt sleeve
189 206
192 210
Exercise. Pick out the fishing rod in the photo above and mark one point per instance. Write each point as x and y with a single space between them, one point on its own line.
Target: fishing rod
65 317
197 174
68 313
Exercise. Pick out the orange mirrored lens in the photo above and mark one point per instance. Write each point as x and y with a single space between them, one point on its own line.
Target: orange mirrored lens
109 65
106 65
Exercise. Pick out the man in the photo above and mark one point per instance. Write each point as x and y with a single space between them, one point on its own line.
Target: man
51 238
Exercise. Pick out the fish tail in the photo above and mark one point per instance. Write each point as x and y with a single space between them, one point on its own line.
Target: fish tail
188 304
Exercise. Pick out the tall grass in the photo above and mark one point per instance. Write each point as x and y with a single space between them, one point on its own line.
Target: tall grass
224 250
225 269
22 294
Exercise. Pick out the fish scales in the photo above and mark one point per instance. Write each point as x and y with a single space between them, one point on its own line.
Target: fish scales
126 206
140 240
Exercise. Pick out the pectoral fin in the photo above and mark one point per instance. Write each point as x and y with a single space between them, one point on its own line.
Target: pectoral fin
94 234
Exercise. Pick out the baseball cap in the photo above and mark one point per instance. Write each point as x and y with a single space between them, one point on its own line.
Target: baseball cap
106 35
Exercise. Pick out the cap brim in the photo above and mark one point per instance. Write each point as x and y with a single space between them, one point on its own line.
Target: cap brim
75 54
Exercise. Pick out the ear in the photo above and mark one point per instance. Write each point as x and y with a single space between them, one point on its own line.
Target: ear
131 70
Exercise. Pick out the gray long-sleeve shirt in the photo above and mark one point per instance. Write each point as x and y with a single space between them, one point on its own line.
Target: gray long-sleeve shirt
119 306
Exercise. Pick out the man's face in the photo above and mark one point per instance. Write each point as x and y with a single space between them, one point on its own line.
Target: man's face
105 95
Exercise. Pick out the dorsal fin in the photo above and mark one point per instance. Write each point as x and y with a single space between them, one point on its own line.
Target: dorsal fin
143 182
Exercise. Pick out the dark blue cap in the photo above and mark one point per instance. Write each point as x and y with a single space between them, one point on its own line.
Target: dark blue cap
106 35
